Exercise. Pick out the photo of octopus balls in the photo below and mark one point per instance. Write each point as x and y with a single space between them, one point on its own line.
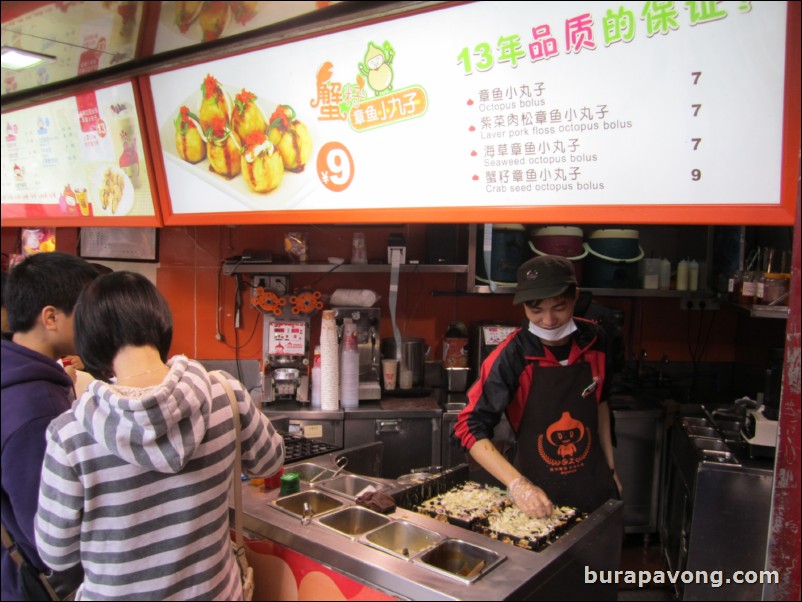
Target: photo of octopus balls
261 164
291 137
188 142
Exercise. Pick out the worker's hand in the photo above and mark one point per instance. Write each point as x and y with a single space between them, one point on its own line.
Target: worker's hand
529 498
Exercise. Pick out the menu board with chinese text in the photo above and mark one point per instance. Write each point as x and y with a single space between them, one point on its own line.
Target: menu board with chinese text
78 158
489 105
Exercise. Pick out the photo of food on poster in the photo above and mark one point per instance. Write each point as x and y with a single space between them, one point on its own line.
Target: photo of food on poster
80 156
532 105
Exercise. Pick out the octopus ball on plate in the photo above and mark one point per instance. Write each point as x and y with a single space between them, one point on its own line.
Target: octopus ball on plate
214 103
246 116
188 141
223 149
261 164
291 137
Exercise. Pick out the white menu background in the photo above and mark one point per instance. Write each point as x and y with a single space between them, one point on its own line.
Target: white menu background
526 104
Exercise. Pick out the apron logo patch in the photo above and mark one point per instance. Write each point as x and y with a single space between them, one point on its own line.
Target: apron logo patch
565 446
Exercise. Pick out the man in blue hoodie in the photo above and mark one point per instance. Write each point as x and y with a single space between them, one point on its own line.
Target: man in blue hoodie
40 295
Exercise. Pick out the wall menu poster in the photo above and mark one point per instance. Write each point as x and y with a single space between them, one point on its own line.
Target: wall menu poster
488 105
76 160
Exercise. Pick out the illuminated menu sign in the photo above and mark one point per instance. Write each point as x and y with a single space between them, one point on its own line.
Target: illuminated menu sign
489 105
80 157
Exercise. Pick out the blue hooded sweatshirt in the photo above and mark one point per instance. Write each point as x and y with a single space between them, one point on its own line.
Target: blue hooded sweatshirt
35 389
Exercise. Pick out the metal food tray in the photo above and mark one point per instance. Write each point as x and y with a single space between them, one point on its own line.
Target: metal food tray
535 543
297 448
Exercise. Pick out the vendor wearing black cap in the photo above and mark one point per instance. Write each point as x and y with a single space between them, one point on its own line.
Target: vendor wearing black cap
549 379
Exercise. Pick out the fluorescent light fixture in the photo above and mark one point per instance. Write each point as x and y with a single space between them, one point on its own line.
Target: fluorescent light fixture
17 59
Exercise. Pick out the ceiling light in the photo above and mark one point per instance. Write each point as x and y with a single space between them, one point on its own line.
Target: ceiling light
17 59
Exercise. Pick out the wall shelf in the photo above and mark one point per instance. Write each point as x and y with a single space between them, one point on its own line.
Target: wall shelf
266 267
766 311
611 292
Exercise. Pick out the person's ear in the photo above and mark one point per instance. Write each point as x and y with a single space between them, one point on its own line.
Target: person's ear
49 317
576 295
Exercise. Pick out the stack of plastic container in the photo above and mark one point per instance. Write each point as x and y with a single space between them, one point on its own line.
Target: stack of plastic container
349 366
329 362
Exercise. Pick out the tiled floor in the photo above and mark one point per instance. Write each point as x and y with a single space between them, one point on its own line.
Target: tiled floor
641 553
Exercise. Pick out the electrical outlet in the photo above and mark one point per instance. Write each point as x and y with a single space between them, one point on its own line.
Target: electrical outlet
698 304
260 281
277 284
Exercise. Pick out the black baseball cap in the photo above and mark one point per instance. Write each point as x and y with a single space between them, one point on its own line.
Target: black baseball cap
543 277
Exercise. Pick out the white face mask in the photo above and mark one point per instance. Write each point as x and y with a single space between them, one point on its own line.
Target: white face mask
554 334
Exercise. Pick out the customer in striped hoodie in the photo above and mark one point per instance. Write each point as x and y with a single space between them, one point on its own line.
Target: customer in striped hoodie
136 475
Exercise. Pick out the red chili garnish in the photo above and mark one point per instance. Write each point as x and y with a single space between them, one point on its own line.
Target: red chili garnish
218 127
209 86
254 139
185 117
281 114
245 97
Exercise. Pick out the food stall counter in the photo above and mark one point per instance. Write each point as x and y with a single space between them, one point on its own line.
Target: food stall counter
556 572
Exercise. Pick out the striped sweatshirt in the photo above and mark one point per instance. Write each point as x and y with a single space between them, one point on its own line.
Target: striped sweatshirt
135 486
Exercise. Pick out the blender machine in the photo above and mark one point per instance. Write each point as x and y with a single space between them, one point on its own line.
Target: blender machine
285 342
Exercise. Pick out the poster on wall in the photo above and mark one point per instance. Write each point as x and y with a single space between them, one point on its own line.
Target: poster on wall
184 24
87 36
78 157
486 105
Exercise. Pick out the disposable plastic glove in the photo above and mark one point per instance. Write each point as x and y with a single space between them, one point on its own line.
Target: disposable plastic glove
529 498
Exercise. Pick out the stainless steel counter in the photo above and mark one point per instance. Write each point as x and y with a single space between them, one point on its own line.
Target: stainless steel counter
558 572
410 428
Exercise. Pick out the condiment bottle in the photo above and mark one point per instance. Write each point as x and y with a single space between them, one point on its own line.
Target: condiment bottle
693 275
748 288
682 275
665 275
774 289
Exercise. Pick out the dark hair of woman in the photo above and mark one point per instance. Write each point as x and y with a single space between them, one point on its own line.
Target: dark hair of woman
118 310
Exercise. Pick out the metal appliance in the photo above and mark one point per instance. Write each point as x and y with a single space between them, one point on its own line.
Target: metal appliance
712 489
487 338
760 433
367 320
286 353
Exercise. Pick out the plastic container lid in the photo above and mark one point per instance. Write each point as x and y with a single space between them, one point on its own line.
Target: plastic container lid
558 231
614 233
517 227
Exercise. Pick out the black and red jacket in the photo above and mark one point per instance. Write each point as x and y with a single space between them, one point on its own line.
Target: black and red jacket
506 378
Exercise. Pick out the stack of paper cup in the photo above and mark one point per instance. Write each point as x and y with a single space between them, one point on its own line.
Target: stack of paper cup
329 362
349 366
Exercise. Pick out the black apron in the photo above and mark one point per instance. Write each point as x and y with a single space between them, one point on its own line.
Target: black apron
558 438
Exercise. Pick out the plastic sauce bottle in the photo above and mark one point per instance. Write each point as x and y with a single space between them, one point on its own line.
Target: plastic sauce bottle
665 275
693 275
682 275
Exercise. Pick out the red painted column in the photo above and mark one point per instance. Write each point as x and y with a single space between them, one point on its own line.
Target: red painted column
784 528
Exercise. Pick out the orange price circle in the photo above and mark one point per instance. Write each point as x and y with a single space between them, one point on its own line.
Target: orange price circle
335 166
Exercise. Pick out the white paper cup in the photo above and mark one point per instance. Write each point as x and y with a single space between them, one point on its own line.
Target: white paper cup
405 378
390 372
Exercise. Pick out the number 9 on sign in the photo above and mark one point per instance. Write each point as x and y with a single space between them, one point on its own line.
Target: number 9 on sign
335 166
